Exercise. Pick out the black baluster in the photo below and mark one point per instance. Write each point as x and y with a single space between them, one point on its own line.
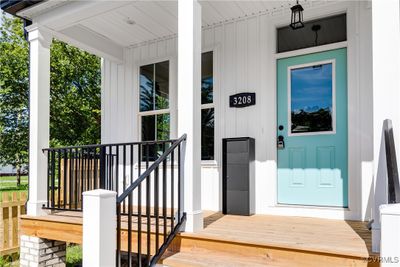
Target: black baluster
179 183
76 177
65 177
156 204
103 168
110 174
165 194
95 168
70 178
148 199
118 258
59 179
139 208
48 176
117 170
124 174
129 230
82 166
88 169
172 190
53 178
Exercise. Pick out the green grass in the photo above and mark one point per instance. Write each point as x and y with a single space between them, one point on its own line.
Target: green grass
13 178
9 183
10 260
74 255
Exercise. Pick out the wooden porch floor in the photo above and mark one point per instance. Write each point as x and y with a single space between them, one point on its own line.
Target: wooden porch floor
269 235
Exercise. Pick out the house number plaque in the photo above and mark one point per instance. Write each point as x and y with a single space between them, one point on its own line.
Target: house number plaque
242 100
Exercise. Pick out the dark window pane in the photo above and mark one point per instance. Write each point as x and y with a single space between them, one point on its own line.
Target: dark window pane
207 134
162 85
163 127
332 30
155 128
311 99
147 88
207 78
148 128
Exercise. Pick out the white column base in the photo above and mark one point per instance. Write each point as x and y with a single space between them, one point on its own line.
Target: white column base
390 234
99 228
194 221
35 208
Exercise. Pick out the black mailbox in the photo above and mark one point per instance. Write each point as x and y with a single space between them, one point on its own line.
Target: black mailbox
238 176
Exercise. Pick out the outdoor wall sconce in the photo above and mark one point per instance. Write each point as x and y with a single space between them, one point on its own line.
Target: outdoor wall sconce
297 16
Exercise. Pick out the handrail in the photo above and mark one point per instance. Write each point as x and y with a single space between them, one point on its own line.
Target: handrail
391 164
161 220
110 144
153 166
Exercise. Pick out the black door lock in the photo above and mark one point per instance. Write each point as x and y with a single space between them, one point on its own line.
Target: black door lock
281 142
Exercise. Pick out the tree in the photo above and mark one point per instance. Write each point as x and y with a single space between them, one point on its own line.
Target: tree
14 95
74 95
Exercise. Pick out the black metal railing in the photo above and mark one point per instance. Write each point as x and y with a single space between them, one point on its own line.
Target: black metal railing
76 169
391 164
155 224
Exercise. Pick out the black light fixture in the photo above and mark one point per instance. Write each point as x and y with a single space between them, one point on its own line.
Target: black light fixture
315 28
297 16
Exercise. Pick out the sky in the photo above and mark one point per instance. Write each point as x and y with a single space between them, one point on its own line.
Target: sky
311 88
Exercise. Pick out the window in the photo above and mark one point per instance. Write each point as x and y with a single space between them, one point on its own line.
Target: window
154 105
317 32
311 91
207 107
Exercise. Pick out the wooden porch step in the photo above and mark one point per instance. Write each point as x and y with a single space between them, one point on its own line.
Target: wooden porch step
261 240
199 252
207 258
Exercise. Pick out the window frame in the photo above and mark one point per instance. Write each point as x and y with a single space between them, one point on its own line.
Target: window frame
154 112
289 97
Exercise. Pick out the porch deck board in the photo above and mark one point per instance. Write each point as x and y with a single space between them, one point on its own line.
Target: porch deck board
334 237
351 238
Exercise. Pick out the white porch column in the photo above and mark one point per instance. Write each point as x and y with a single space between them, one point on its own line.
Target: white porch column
189 95
386 93
39 116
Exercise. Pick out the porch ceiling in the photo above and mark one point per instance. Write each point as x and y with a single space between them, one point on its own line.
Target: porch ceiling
126 23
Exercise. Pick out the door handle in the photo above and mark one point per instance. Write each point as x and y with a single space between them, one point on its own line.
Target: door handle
281 142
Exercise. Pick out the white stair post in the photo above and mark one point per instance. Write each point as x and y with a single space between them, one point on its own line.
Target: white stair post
390 235
99 228
39 116
189 118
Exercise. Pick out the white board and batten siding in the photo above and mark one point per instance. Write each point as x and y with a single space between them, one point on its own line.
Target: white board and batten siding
245 61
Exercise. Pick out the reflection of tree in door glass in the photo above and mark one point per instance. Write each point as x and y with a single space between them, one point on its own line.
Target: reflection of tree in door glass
311 99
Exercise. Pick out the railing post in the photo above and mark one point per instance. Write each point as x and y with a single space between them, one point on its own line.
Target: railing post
99 228
390 234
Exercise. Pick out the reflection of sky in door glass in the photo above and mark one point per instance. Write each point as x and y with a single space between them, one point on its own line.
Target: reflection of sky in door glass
311 88
311 99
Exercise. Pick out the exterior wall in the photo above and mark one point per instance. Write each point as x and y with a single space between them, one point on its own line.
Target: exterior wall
36 251
245 60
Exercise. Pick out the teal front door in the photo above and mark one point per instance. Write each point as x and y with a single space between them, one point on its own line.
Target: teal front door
312 129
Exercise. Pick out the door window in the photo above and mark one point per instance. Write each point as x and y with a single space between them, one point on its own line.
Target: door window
311 98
